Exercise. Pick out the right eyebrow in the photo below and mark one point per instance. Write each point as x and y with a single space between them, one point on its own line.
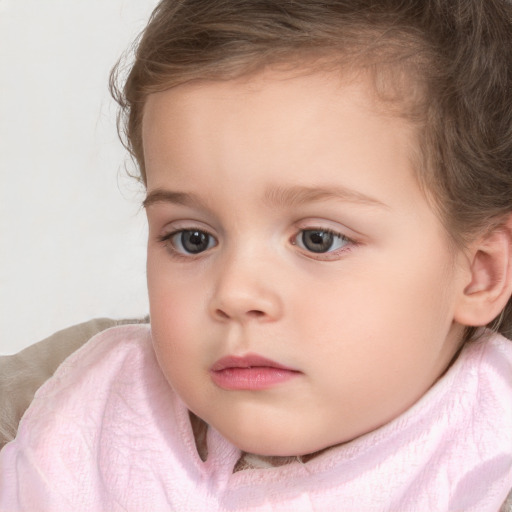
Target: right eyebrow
161 195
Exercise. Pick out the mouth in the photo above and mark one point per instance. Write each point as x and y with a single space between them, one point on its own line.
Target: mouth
250 372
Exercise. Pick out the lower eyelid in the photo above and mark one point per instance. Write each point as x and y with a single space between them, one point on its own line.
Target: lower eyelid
337 254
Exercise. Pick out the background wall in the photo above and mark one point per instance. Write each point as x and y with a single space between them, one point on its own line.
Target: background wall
72 233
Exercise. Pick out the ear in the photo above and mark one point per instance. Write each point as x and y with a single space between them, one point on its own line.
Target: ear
489 286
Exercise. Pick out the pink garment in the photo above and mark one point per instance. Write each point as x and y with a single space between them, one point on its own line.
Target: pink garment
107 433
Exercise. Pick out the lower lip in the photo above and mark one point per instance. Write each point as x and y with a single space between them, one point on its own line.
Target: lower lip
252 379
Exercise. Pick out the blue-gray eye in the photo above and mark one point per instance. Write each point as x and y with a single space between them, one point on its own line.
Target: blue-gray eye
320 240
192 241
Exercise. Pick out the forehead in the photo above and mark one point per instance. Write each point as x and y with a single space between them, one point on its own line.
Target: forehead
393 89
295 105
283 113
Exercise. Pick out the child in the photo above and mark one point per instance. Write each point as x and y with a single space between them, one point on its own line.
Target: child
329 198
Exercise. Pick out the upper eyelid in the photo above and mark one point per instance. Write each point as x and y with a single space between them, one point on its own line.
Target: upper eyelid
332 231
323 224
326 230
173 229
172 232
184 225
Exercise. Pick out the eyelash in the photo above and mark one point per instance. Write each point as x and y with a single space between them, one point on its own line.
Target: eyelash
328 254
167 241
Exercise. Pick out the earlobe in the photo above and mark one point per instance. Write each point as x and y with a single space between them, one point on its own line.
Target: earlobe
490 284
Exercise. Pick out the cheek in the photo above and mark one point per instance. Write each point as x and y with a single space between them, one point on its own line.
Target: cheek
378 302
176 305
173 293
380 335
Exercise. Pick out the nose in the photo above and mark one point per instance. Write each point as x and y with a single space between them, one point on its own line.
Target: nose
246 290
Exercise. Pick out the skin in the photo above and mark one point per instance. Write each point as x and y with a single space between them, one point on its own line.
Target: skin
368 326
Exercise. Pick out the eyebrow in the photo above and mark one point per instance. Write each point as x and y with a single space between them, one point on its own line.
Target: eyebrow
160 195
274 196
299 195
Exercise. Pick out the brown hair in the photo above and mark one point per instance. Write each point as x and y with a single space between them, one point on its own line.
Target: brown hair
450 61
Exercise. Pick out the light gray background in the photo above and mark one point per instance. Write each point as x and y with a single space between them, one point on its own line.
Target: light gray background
72 233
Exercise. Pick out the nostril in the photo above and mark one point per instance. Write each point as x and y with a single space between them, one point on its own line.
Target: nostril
255 313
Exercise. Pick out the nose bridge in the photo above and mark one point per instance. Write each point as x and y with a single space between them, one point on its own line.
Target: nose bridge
244 287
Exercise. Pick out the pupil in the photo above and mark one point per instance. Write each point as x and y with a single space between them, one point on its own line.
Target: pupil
317 241
194 241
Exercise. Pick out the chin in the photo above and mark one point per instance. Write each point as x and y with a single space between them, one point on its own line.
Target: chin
282 445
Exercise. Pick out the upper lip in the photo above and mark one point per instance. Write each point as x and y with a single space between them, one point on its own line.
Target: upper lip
247 361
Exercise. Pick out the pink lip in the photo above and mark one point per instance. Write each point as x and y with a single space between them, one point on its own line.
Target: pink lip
250 372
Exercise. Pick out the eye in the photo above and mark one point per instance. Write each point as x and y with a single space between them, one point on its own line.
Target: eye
320 240
191 241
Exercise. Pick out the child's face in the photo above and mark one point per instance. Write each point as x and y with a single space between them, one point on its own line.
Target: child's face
286 223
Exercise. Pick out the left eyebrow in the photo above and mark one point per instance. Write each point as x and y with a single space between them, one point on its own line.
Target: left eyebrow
298 195
160 195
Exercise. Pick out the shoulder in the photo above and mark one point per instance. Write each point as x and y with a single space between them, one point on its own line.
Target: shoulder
82 387
497 346
101 358
109 350
23 373
101 427
491 356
